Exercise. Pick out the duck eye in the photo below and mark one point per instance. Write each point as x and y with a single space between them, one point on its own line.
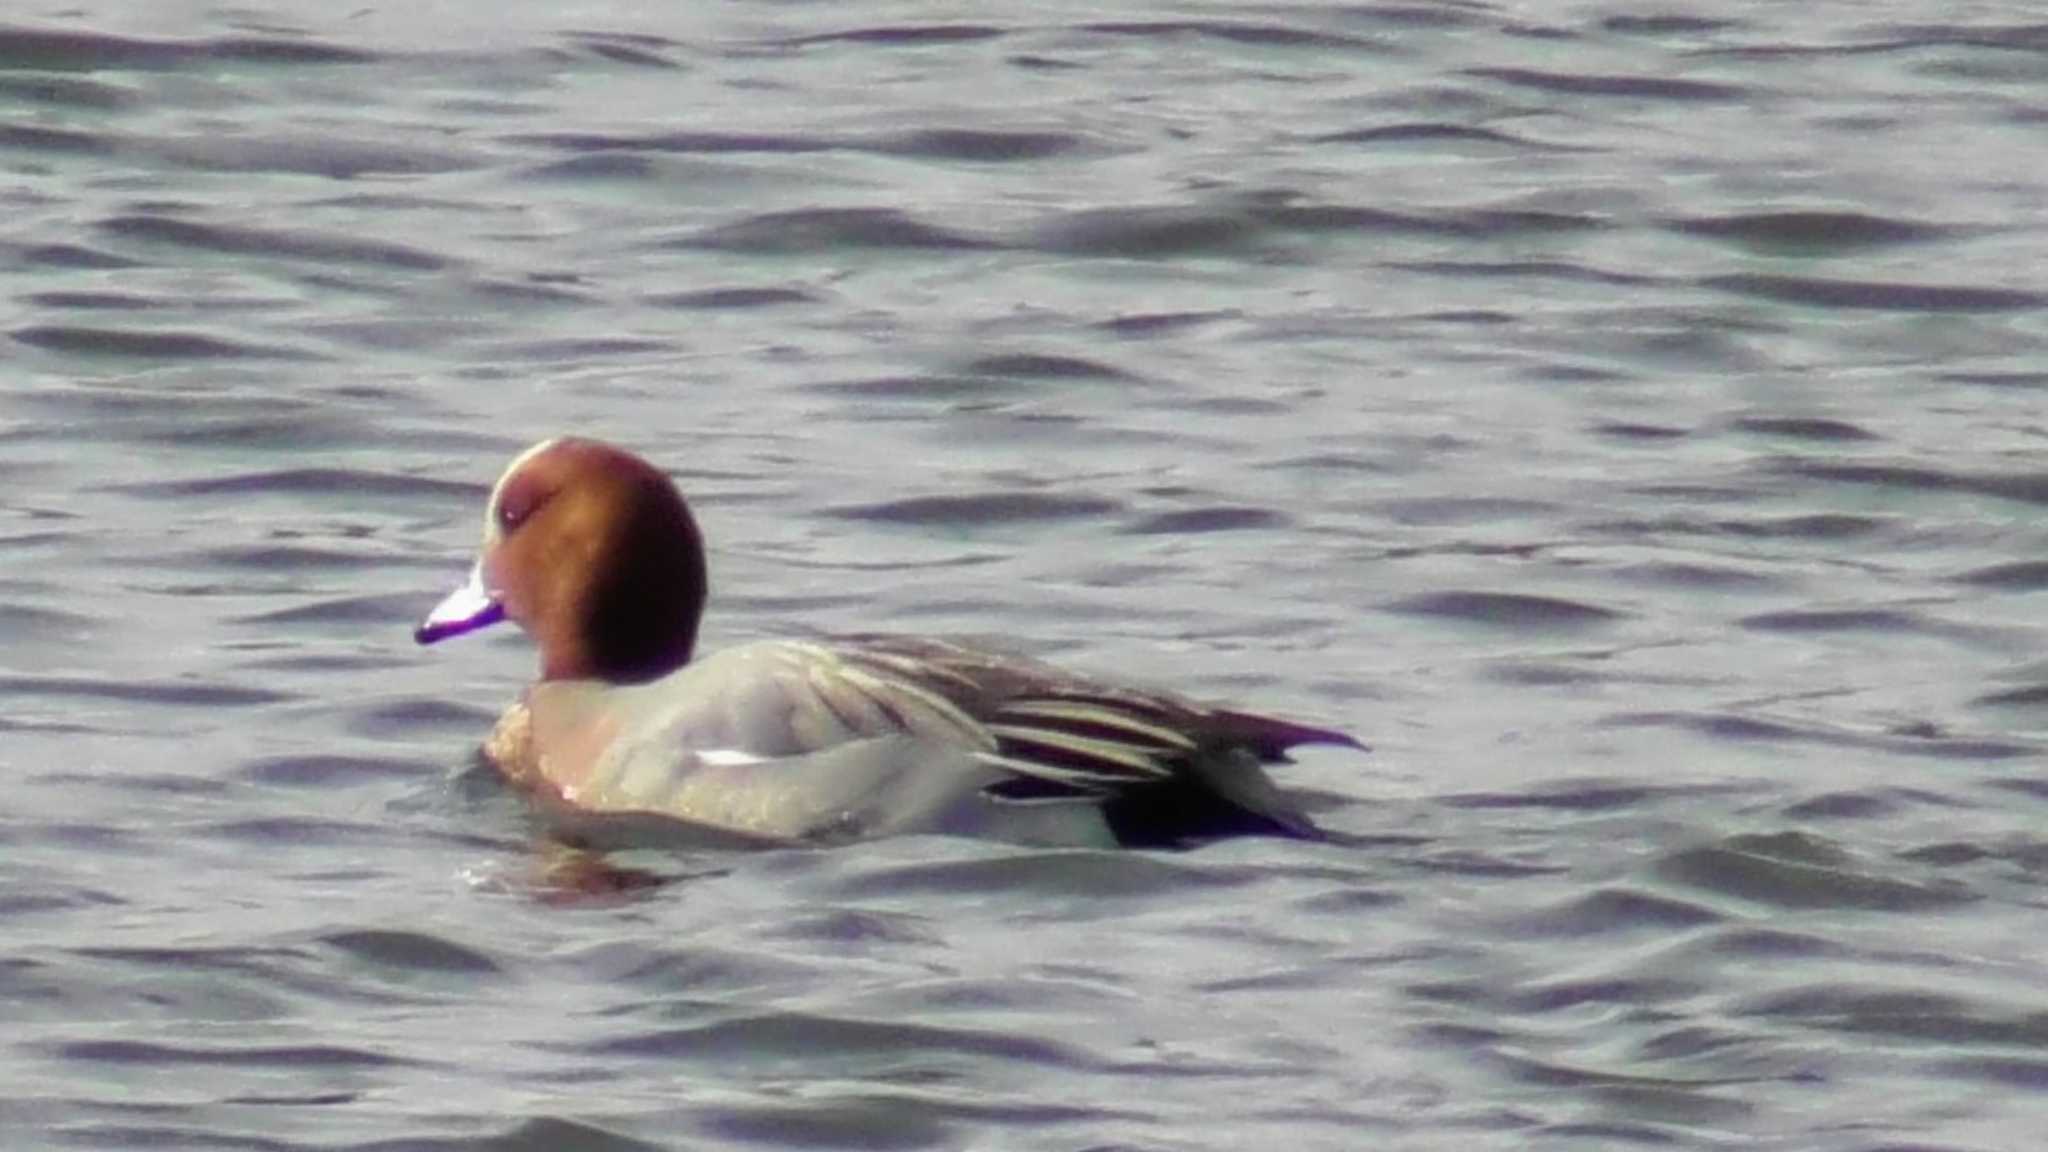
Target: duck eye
516 504
513 513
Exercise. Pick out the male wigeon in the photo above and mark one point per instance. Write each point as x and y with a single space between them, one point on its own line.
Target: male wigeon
593 552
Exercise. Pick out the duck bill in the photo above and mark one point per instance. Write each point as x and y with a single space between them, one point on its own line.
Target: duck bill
466 609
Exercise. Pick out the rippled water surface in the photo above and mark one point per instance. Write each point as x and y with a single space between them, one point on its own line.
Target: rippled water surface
1628 419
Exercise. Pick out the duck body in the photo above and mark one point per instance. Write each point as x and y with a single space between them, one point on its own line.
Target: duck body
818 741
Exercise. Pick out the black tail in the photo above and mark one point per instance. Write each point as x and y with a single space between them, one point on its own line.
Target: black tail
1214 797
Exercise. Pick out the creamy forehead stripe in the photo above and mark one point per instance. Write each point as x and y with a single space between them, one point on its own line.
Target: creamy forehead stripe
512 469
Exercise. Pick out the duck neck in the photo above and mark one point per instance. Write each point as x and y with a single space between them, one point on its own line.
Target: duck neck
642 624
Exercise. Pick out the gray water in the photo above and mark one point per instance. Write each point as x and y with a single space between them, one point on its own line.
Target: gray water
1627 419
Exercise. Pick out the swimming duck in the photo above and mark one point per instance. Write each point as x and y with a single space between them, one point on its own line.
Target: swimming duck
594 553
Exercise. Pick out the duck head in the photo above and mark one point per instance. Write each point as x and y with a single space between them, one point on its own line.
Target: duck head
594 553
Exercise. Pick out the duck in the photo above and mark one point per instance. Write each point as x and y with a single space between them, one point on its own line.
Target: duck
594 553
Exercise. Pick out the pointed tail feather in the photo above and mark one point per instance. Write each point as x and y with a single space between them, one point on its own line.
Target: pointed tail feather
1269 737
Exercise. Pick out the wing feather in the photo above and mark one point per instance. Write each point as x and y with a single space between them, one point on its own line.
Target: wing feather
1084 717
1056 735
1111 761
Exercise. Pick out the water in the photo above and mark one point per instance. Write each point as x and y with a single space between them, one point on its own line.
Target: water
1628 422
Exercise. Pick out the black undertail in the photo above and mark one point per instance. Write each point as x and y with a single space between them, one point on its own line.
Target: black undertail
1187 811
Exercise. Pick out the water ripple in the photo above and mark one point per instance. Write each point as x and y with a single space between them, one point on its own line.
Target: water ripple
1097 876
1275 34
1813 428
304 1056
1811 232
980 146
639 51
190 694
1629 87
1799 870
26 138
685 142
68 255
68 91
51 50
1431 132
314 481
2013 576
326 771
1145 232
152 344
295 244
904 35
413 952
825 229
979 509
1515 610
1608 911
1216 518
718 299
2025 487
1045 366
833 1040
1877 295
